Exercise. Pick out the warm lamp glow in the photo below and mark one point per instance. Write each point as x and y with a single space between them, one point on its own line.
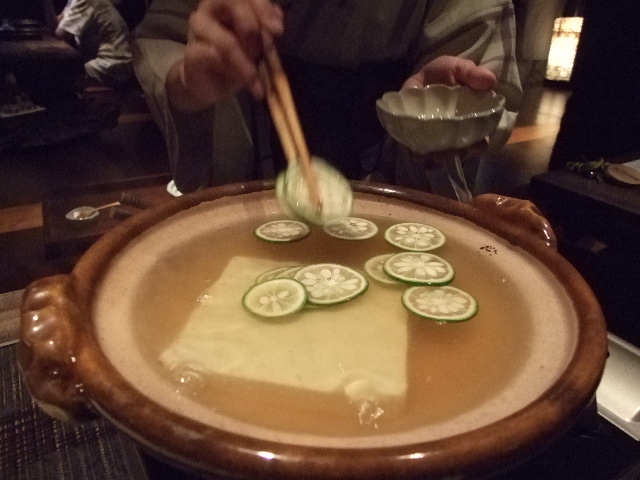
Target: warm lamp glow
566 34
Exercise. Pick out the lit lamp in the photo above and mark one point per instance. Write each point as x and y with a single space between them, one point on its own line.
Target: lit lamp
566 34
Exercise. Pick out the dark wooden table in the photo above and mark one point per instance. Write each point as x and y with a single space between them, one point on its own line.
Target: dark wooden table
16 51
598 227
64 238
587 206
44 68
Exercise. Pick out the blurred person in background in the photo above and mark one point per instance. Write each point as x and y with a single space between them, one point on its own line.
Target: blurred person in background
98 31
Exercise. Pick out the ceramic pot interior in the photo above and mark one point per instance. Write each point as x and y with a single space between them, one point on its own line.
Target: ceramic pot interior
550 340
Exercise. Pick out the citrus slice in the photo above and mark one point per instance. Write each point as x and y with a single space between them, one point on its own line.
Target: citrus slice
419 268
335 193
282 231
415 237
329 283
351 228
374 268
288 272
441 304
271 274
275 298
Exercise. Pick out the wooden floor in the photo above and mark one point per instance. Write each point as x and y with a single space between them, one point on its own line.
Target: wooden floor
134 148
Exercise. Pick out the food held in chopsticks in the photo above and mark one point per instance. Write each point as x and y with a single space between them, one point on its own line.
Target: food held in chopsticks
294 193
310 189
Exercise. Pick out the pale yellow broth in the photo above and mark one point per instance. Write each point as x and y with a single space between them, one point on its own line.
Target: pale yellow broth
451 367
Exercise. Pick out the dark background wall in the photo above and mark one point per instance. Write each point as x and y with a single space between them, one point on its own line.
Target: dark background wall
602 116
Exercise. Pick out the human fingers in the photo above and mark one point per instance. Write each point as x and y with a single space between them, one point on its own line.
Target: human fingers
247 19
270 16
206 76
414 81
466 72
228 33
450 70
215 48
211 47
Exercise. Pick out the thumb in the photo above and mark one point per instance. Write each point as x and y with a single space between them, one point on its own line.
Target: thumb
414 81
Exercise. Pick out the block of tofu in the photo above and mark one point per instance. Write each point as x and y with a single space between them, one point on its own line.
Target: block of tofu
349 348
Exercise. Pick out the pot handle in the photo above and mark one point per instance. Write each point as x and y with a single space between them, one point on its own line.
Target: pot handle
521 213
48 349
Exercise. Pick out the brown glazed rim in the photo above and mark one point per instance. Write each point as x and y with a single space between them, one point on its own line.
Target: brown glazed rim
476 453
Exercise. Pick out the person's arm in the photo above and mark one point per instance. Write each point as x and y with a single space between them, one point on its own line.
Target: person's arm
470 43
473 44
64 35
186 95
53 22
223 46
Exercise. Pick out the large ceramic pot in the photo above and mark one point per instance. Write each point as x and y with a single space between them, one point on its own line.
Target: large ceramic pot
81 355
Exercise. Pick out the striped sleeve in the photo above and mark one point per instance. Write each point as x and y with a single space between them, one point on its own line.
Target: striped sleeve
480 30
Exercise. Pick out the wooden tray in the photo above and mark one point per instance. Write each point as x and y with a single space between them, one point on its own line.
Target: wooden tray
63 238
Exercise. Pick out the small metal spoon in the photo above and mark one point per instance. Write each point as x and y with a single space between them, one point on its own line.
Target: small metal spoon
81 214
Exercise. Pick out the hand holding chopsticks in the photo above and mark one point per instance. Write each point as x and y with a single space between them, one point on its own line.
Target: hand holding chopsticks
285 117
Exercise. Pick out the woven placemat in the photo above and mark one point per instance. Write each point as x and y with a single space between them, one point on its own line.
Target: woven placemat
9 316
34 446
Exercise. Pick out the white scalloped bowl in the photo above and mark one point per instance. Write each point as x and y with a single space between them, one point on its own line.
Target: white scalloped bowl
439 117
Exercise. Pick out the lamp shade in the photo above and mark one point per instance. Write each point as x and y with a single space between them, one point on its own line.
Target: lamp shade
564 43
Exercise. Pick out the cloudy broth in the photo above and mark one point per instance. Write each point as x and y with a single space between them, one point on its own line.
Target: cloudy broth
450 367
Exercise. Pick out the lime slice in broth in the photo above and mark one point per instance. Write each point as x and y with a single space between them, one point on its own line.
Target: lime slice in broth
330 283
275 298
440 304
351 228
271 274
289 272
374 267
282 231
415 237
419 268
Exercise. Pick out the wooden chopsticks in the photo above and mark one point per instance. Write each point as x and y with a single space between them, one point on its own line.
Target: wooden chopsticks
285 117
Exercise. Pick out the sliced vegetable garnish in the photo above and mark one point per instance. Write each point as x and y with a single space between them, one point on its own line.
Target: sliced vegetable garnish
288 272
419 268
374 268
335 193
329 283
283 231
415 237
273 273
441 304
351 228
275 298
